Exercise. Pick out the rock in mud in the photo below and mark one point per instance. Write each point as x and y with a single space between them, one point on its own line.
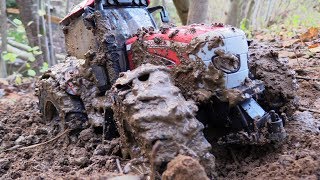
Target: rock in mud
81 161
4 165
308 123
150 110
20 141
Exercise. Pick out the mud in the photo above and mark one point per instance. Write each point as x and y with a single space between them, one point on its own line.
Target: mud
184 167
149 111
79 155
90 157
279 79
226 61
102 31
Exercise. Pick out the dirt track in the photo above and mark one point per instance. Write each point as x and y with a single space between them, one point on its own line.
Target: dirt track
86 156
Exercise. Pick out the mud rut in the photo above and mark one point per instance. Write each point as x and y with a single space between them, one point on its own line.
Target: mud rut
85 155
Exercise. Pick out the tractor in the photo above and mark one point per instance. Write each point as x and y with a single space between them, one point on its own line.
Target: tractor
163 90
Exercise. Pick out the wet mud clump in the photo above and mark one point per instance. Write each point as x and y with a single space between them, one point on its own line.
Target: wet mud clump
279 79
184 167
155 120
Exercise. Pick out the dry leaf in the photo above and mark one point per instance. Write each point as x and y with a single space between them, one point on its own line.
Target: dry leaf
315 49
313 46
310 34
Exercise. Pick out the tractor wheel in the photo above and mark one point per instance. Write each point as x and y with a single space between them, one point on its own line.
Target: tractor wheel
59 109
279 80
154 119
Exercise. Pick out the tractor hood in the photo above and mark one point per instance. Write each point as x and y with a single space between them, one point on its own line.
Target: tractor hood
225 46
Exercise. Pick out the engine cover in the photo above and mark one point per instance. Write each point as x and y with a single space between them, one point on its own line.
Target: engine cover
226 47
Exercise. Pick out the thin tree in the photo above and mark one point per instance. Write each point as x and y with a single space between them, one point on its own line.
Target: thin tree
44 39
182 7
52 61
28 15
256 13
234 13
3 28
198 11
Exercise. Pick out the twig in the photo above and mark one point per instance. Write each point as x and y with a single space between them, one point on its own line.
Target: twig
155 148
310 110
234 157
40 144
297 57
119 166
307 78
12 148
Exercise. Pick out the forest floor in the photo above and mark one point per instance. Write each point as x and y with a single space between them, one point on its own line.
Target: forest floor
87 157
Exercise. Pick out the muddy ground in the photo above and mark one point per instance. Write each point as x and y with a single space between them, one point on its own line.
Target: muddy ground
87 156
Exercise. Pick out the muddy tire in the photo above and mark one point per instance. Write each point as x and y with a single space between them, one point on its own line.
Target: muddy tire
154 119
59 109
279 80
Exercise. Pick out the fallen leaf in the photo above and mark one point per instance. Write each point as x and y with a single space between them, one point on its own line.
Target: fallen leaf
4 81
315 49
310 34
313 46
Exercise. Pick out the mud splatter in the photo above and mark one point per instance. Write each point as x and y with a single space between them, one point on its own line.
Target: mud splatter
215 42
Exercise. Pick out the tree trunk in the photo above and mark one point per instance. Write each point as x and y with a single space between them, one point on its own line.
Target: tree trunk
44 38
67 6
3 29
249 9
270 10
234 12
50 38
256 14
28 15
182 7
198 11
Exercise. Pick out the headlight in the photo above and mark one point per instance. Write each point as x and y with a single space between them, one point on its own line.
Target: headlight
226 62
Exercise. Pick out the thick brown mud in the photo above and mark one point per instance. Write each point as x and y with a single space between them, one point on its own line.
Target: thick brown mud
21 124
184 167
279 79
149 114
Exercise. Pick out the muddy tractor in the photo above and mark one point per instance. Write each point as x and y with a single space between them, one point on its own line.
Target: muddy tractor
163 91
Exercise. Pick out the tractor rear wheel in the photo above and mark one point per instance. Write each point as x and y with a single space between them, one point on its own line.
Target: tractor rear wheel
59 109
154 119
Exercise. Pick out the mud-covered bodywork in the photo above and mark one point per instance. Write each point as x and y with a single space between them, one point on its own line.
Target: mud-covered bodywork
210 65
226 47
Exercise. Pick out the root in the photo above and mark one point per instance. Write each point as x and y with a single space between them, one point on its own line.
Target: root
40 144
310 110
307 78
119 166
234 157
